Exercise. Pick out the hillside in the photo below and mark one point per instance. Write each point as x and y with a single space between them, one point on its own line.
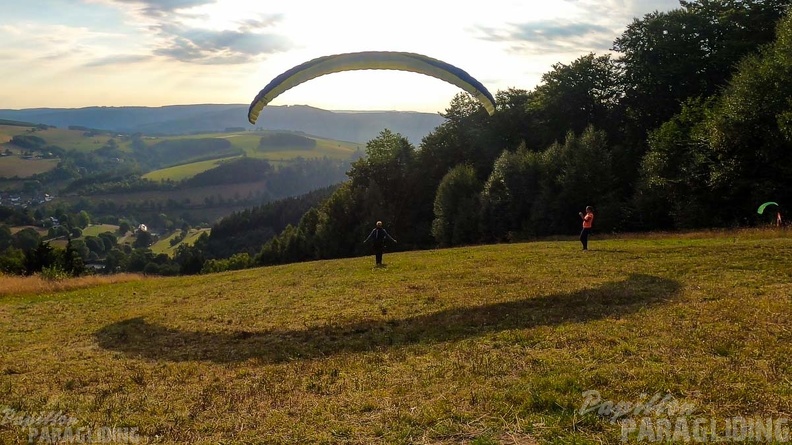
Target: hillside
161 157
484 345
357 127
196 178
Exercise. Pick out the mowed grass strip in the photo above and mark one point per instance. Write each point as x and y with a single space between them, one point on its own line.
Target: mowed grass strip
491 344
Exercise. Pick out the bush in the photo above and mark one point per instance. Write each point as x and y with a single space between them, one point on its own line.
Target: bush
151 269
54 273
236 262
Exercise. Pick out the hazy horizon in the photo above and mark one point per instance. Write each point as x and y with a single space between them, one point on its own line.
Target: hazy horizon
81 53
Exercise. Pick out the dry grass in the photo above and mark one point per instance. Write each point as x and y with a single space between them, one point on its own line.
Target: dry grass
11 166
477 345
35 284
745 233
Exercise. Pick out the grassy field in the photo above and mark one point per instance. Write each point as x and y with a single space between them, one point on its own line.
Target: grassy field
163 245
480 345
40 230
248 141
324 147
11 166
14 285
185 171
92 230
73 139
9 131
62 137
96 229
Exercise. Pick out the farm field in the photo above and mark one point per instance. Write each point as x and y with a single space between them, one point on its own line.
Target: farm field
249 142
96 229
193 196
9 131
497 344
11 166
163 245
185 171
40 230
62 137
324 147
61 242
74 139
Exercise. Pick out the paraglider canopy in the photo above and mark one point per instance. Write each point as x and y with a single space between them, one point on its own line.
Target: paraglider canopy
370 60
761 208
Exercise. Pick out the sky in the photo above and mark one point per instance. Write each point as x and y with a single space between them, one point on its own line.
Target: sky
79 53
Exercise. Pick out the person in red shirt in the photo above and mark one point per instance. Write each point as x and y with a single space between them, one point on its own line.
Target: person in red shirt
588 219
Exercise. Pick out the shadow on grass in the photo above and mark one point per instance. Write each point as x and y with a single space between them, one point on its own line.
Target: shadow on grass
138 338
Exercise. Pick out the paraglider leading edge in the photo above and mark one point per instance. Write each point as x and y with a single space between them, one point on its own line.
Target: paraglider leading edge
370 60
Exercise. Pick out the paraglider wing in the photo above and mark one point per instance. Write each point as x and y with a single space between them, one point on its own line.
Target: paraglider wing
761 208
370 60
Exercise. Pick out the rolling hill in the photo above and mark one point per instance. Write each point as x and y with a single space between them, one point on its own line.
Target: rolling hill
496 344
200 177
359 127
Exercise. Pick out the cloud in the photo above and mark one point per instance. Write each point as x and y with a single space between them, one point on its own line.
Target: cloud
261 22
550 36
162 8
587 26
622 10
200 31
205 46
116 60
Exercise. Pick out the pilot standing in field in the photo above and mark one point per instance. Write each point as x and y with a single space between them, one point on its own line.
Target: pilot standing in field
588 219
379 235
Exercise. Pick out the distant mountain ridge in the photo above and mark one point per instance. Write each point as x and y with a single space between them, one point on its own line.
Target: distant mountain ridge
185 119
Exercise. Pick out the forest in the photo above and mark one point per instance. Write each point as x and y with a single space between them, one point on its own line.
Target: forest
687 124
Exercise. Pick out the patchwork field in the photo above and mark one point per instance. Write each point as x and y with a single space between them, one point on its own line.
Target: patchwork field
498 344
249 142
82 141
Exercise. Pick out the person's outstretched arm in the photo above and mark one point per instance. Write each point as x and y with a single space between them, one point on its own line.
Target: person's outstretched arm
389 237
370 235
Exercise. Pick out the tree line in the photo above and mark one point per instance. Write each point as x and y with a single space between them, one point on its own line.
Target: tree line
689 125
